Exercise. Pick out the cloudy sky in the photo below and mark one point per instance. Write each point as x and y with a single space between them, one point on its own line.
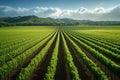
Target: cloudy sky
76 9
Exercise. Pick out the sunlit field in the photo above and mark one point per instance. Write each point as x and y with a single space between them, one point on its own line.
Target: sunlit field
60 53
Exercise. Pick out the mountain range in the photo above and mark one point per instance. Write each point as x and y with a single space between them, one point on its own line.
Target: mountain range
37 21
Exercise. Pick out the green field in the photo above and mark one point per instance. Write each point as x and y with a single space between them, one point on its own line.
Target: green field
60 53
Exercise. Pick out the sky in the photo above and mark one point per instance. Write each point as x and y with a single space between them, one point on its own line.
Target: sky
97 10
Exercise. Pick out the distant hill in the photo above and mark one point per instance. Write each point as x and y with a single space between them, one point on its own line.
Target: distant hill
34 20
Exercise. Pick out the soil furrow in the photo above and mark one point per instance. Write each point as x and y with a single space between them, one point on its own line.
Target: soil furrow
39 72
61 72
26 49
13 75
111 75
83 71
108 56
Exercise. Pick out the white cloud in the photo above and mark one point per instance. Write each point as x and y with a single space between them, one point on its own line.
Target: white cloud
22 9
40 9
6 8
81 13
57 12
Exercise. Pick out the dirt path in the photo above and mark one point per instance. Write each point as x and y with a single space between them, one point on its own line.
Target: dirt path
13 75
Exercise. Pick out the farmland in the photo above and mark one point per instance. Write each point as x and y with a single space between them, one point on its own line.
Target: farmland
60 53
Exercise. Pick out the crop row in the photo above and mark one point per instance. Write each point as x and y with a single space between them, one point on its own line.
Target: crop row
9 40
107 62
26 72
115 50
101 40
38 49
102 50
17 51
96 71
12 46
11 65
107 35
69 60
53 62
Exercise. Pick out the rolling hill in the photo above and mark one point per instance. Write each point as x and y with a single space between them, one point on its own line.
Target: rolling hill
34 20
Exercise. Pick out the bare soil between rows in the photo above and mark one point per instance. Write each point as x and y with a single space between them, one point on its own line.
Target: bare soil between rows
39 72
25 50
110 74
61 69
14 74
83 71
